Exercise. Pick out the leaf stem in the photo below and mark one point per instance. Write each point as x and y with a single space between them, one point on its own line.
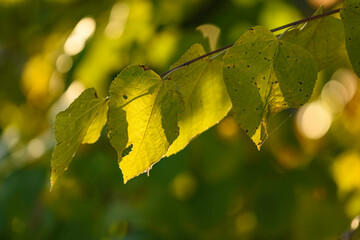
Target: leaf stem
230 45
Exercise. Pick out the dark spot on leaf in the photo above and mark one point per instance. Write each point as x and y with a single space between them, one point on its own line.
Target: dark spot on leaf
257 109
307 95
300 90
246 130
125 97
299 83
243 109
144 67
95 95
248 66
287 56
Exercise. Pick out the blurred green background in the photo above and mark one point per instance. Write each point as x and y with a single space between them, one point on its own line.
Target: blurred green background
304 184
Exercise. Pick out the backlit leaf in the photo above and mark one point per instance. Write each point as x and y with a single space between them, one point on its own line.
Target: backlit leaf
94 131
210 32
265 75
323 38
143 116
350 16
206 100
72 125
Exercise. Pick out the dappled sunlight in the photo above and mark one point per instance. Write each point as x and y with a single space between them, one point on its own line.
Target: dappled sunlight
346 169
78 37
303 184
36 76
117 20
36 148
339 91
334 96
313 120
183 186
228 128
64 63
355 223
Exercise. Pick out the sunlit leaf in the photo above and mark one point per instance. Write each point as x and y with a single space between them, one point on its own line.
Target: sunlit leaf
94 131
265 75
323 38
143 116
206 100
210 32
350 16
72 125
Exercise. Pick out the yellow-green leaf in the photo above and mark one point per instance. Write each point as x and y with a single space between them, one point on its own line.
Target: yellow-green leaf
323 38
143 116
94 131
264 75
71 126
211 32
350 16
206 100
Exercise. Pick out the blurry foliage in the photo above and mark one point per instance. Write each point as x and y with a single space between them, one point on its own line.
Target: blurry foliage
219 187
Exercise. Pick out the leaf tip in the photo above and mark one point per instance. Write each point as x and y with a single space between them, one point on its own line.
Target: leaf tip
52 182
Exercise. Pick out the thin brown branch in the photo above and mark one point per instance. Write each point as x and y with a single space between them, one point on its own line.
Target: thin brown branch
272 30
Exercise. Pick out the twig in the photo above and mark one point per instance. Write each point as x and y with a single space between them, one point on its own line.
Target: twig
272 30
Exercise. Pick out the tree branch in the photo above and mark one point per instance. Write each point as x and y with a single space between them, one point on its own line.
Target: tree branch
272 30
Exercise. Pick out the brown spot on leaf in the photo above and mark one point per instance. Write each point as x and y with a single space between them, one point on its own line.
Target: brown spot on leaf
144 67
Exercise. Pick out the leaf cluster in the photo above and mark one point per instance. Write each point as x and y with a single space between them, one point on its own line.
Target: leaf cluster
149 117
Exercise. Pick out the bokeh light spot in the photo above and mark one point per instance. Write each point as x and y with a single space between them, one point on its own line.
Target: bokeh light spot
346 171
313 120
183 186
82 31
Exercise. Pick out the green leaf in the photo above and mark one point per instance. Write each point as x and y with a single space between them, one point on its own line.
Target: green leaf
206 100
72 125
350 16
94 131
143 116
210 32
323 38
265 75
